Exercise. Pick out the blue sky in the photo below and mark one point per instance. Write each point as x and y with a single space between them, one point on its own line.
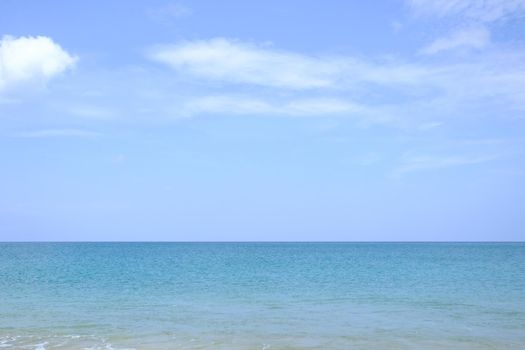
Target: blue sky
270 120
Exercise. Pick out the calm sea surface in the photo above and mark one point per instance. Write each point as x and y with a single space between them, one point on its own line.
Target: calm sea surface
262 296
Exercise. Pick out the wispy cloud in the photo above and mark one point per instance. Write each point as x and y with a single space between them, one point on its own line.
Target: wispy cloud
167 13
237 62
208 77
233 61
235 104
475 10
25 60
57 133
422 93
469 38
412 164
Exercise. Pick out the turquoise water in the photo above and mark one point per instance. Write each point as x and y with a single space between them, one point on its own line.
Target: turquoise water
262 296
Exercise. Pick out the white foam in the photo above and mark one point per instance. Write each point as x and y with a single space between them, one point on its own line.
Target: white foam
41 346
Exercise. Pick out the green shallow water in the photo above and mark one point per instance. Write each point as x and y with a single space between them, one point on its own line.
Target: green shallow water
262 296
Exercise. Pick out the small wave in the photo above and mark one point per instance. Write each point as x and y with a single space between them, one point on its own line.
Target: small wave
41 346
31 342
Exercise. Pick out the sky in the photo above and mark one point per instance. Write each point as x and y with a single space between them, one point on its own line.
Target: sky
392 120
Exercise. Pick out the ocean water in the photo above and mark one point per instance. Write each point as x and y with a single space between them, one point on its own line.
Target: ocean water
262 296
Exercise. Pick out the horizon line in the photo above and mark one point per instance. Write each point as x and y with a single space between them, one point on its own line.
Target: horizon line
197 242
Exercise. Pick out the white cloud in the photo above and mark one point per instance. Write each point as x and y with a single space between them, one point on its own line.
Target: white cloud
470 38
222 104
237 62
417 94
426 163
232 61
31 59
57 133
475 10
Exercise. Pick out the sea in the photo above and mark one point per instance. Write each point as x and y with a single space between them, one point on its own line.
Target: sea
262 296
